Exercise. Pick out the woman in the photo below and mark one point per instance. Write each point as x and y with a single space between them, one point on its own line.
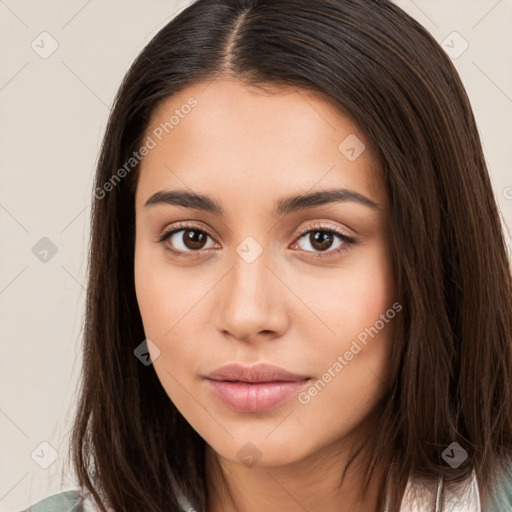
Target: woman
299 296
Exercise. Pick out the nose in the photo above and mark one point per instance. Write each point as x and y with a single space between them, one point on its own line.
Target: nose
252 301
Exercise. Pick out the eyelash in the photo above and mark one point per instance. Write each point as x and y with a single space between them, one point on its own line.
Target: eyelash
348 241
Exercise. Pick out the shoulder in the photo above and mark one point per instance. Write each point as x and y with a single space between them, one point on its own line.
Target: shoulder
501 497
68 501
75 501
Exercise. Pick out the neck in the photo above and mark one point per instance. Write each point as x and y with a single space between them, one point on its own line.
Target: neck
312 483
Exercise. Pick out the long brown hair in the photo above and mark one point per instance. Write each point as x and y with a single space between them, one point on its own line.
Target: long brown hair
452 353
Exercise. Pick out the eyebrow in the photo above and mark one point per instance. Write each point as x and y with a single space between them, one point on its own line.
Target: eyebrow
284 206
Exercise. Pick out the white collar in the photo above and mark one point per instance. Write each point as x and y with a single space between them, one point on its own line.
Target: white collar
423 497
420 496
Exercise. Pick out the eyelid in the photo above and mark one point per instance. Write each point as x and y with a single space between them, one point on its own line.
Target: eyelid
348 239
183 225
305 229
172 229
322 226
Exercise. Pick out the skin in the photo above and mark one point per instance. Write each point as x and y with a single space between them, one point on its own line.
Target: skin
290 307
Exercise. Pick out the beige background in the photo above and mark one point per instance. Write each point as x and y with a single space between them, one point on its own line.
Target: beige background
54 112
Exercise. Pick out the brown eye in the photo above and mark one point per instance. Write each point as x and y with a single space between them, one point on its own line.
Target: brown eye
321 240
185 239
194 239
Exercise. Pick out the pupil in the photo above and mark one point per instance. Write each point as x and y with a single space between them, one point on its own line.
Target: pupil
194 239
321 240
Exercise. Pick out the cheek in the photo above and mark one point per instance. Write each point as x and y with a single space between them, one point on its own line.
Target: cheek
169 300
350 299
166 301
164 293
358 305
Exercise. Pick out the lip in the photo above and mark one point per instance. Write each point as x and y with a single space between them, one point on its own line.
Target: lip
252 389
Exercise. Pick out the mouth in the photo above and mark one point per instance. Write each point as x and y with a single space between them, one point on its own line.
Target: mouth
253 389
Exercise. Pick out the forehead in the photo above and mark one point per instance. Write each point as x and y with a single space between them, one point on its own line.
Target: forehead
226 133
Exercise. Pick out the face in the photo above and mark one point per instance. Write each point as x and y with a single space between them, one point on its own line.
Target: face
252 277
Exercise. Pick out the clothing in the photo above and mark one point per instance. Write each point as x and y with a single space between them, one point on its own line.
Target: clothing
417 498
424 496
76 501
